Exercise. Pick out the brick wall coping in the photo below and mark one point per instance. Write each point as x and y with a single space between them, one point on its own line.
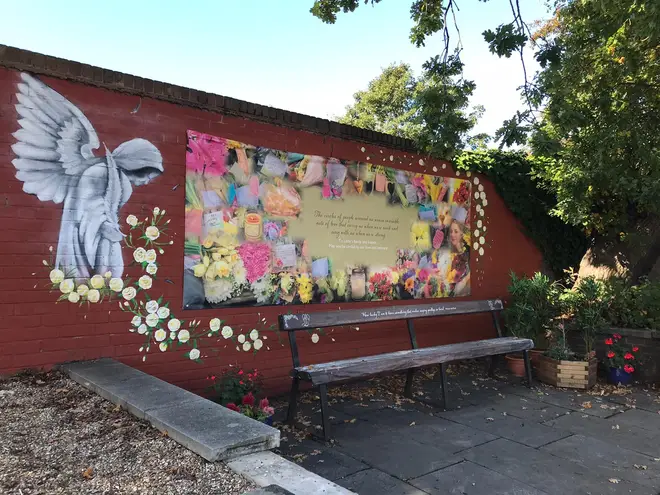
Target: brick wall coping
24 60
643 333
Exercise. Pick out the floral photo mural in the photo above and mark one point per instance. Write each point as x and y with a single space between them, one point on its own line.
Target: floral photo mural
269 227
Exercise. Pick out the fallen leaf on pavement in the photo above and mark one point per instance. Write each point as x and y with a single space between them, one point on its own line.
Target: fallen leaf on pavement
613 480
88 473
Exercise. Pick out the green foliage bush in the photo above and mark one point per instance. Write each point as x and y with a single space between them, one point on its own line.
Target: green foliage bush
512 173
635 306
533 306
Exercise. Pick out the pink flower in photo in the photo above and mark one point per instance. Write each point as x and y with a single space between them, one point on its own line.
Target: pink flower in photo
206 154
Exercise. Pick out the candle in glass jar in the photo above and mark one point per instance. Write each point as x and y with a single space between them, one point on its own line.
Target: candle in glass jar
358 284
253 227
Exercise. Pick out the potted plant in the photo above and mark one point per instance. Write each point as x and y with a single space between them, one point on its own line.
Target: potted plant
263 412
531 313
584 308
236 389
619 360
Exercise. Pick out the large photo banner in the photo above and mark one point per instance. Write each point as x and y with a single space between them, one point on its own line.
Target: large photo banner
268 227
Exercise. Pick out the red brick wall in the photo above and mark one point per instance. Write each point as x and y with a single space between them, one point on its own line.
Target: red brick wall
36 332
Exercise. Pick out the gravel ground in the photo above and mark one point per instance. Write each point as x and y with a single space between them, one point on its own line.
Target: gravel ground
57 437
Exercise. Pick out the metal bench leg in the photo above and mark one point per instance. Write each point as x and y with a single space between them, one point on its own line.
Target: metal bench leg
293 401
325 414
407 391
492 365
528 368
443 378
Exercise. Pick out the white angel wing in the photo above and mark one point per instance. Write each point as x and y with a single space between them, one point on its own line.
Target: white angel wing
55 141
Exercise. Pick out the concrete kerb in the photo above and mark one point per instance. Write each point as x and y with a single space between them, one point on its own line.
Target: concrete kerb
208 429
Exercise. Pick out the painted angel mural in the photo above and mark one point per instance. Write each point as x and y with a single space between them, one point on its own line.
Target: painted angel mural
55 161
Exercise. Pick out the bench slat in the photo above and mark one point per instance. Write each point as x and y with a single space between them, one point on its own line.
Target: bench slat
395 361
303 321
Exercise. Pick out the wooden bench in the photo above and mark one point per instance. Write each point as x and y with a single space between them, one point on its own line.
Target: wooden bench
320 375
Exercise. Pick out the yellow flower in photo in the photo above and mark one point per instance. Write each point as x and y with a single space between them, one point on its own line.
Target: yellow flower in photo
395 277
199 270
222 269
420 236
305 288
410 284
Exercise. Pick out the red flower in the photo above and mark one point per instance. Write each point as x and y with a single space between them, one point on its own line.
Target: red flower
608 341
635 349
263 403
248 400
616 336
249 376
628 356
240 372
233 407
610 354
213 377
628 369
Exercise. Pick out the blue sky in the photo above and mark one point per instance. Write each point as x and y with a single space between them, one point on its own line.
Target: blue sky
265 51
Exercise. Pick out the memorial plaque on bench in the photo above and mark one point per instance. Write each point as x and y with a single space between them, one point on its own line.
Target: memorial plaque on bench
302 321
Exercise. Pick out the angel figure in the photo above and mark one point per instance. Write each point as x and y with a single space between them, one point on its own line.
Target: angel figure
55 161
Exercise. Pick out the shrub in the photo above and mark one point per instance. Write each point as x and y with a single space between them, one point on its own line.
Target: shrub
636 306
234 384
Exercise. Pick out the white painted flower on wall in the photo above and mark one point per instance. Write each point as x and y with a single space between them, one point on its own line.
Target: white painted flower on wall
152 269
163 313
151 306
227 332
74 297
150 256
140 255
93 295
136 321
132 220
129 293
174 324
145 282
152 319
152 232
194 354
97 282
56 276
183 336
67 286
116 284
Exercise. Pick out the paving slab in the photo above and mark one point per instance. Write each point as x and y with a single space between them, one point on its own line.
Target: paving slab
639 417
267 468
430 429
529 409
496 422
649 400
358 408
609 430
546 472
621 463
208 429
467 478
375 482
569 399
397 454
324 461
269 490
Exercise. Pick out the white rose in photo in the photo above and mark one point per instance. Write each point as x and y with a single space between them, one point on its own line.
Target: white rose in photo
258 344
152 319
151 306
315 338
152 232
131 220
67 286
254 334
97 282
194 354
136 321
241 338
163 313
159 334
214 324
140 255
129 293
93 296
162 346
116 284
56 276
82 290
173 325
184 336
152 268
247 346
74 297
145 282
227 332
142 329
150 256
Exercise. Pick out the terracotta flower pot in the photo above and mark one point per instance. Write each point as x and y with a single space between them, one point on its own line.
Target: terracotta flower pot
516 364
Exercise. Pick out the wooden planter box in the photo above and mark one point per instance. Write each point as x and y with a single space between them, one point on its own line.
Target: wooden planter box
569 374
